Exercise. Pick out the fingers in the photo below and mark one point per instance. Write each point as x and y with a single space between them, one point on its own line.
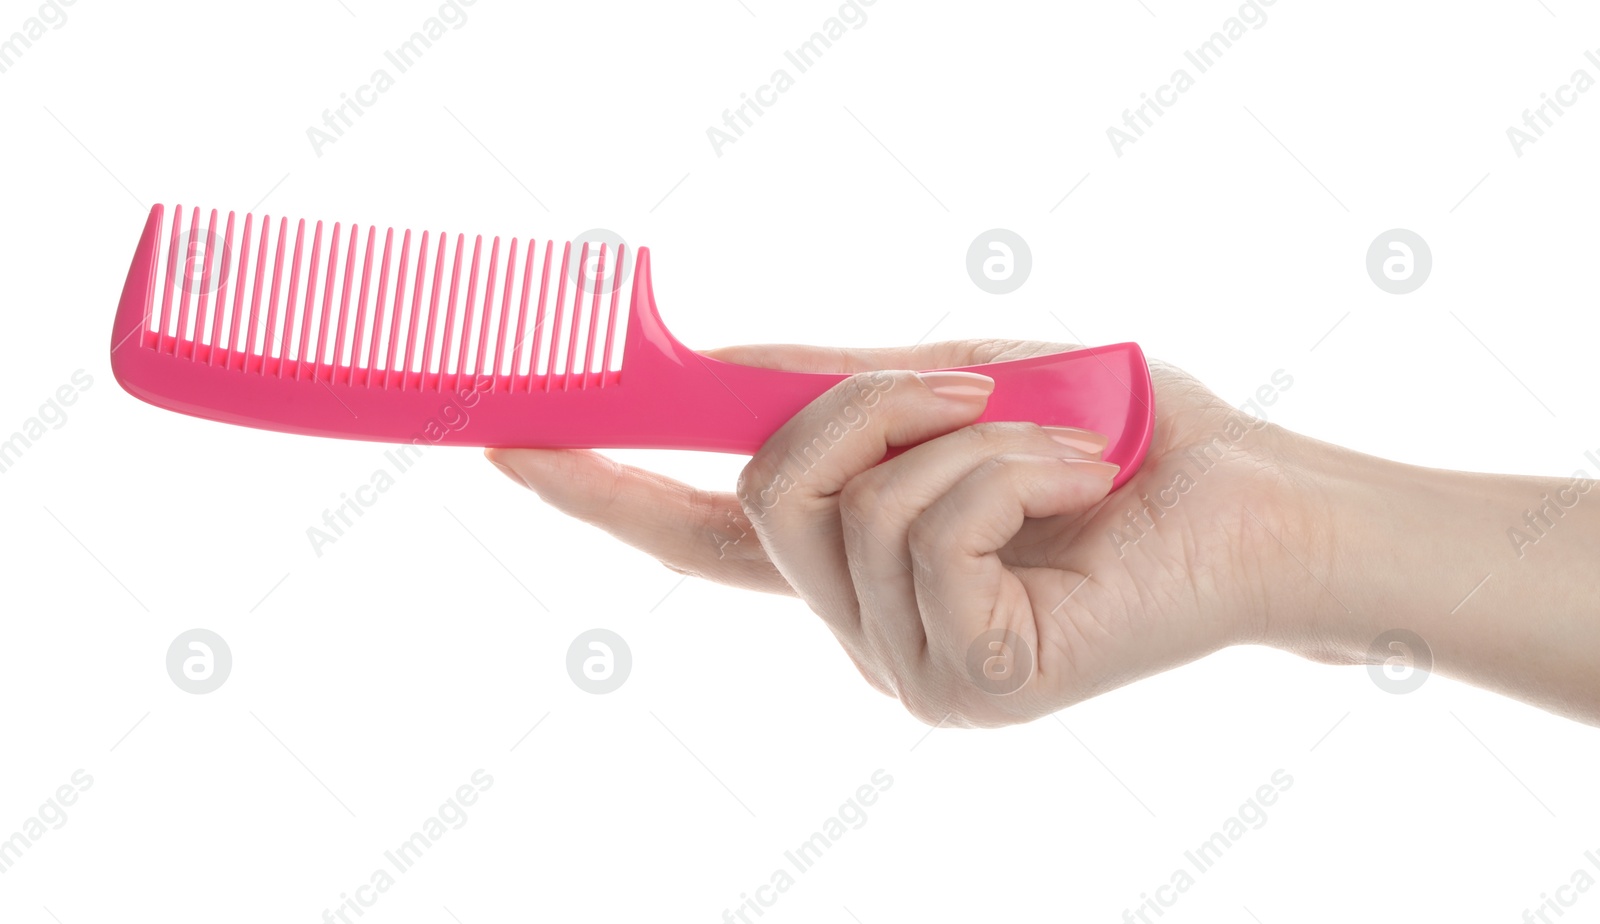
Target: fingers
943 355
789 490
962 587
688 530
878 507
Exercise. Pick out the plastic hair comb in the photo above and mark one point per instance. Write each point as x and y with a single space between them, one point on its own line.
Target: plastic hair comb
227 324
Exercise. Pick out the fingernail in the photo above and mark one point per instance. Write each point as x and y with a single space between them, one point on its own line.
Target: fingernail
960 386
1085 440
1106 470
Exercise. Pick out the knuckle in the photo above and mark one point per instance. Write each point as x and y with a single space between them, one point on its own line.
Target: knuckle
1001 432
878 680
864 498
928 533
925 707
756 482
1002 465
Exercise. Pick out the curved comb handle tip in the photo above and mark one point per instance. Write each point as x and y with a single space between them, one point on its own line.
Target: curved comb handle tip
1106 389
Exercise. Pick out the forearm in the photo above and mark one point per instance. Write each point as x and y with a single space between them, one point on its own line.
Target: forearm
1498 574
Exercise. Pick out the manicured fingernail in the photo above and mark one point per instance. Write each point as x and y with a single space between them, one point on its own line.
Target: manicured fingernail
960 386
1085 440
1106 470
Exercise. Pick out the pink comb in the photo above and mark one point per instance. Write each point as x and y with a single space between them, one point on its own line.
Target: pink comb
202 329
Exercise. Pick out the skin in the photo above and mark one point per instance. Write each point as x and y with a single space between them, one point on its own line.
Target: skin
987 575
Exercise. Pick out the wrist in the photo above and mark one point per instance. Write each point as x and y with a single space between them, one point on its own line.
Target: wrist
1493 573
1351 574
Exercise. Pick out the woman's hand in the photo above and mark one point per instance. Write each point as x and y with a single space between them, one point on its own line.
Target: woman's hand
983 576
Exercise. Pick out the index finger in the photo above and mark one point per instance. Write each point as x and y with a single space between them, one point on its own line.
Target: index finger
704 533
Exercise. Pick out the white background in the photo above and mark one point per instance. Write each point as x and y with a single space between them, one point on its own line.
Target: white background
370 682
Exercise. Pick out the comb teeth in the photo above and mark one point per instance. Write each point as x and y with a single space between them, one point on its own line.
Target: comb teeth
359 306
